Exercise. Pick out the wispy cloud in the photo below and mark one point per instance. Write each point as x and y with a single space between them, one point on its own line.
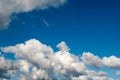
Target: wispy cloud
45 22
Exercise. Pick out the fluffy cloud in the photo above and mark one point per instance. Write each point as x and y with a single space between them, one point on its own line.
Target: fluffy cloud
6 67
41 62
92 75
69 63
37 61
90 59
62 46
8 7
112 62
95 61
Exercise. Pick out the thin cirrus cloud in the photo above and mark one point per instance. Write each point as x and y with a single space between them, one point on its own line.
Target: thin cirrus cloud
37 61
8 7
45 22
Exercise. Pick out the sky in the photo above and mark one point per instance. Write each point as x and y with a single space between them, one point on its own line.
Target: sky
89 29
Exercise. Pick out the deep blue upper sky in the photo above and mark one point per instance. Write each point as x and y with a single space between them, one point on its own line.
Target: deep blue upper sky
85 25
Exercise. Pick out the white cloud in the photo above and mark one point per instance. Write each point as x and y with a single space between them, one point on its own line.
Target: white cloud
63 47
68 63
8 7
101 73
90 59
118 73
112 62
3 63
6 66
42 60
24 66
39 74
45 22
92 75
36 61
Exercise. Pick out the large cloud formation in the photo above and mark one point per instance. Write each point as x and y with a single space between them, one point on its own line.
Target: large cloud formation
9 7
37 61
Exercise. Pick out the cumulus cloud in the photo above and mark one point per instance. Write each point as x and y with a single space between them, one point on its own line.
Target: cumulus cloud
95 61
92 75
112 62
37 61
44 62
90 59
62 46
6 67
8 7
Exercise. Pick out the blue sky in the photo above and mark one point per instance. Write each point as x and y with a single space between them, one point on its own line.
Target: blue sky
85 25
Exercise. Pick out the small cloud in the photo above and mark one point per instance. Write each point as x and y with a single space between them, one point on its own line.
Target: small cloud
45 22
63 46
118 73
